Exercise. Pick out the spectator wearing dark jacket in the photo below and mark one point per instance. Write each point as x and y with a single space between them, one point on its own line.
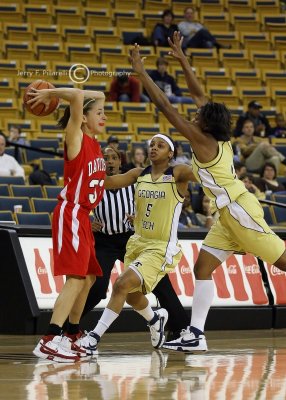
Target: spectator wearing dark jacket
164 30
261 124
167 83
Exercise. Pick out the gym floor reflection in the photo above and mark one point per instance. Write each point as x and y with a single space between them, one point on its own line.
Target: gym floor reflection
240 365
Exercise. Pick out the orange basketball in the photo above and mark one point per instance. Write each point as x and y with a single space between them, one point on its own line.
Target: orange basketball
40 108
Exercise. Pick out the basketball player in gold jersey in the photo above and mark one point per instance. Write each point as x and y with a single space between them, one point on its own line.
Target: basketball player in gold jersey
241 226
153 250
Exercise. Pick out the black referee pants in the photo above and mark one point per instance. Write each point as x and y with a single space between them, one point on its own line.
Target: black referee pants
110 248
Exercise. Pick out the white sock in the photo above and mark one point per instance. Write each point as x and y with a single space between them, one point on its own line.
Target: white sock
202 300
146 313
108 316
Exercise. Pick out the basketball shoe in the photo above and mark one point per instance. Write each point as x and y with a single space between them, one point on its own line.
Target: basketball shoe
157 327
53 348
89 343
190 340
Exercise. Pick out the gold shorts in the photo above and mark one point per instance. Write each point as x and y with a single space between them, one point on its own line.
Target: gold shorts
151 260
241 228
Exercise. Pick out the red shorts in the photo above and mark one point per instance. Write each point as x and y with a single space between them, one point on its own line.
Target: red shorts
73 241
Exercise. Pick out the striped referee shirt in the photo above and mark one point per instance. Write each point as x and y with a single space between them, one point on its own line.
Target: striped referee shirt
112 210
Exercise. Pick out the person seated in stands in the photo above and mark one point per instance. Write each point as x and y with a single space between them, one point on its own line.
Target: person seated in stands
261 124
188 219
248 181
127 88
195 34
15 135
164 29
181 157
167 83
8 165
279 131
138 159
203 210
255 152
268 181
113 142
240 169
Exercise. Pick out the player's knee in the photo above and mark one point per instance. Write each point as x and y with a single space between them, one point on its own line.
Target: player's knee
281 262
200 272
121 285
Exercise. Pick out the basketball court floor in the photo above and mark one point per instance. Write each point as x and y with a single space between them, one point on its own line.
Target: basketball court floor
240 365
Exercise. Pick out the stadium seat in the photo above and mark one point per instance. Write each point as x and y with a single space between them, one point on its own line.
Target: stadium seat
245 22
279 198
67 15
179 6
47 33
266 7
51 192
278 40
234 58
6 216
12 180
38 14
4 190
150 18
106 36
9 108
274 78
255 40
53 166
16 152
216 76
124 130
50 51
279 96
43 205
18 31
145 129
126 18
215 22
11 13
228 38
212 6
99 17
265 59
268 215
203 57
261 94
279 215
9 68
246 77
76 34
30 155
44 143
31 218
8 203
227 95
275 23
26 190
131 35
79 51
239 6
112 54
18 50
7 87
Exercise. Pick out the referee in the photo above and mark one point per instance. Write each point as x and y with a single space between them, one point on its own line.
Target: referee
112 229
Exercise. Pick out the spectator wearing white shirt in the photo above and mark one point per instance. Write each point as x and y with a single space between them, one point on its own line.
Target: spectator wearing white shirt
8 165
195 34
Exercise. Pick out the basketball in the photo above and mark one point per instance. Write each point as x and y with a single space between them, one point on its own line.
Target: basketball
39 110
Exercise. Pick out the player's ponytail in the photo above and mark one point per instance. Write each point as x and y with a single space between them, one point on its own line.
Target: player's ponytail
87 105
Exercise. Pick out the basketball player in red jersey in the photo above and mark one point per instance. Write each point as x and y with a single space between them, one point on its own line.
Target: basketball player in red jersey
73 242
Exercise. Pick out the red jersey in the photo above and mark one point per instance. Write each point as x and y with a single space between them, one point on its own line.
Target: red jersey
84 175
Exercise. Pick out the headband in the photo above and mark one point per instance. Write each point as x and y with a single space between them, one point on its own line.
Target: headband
164 137
87 103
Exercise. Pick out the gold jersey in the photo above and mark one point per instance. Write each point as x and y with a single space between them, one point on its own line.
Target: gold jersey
218 177
158 206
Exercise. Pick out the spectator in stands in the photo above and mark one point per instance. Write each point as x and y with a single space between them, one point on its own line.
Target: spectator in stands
254 152
268 181
260 122
8 165
126 88
164 30
279 131
240 169
203 211
113 142
167 83
195 34
138 158
15 135
188 218
248 181
181 157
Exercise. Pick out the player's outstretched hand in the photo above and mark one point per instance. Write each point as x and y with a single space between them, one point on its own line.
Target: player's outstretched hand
176 46
136 60
42 96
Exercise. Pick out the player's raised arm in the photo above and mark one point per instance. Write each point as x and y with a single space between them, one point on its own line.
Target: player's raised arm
161 100
122 180
194 86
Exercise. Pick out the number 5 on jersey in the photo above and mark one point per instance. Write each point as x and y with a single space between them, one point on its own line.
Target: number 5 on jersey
148 209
